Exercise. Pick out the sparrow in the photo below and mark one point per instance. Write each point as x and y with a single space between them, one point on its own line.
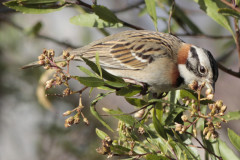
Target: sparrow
160 60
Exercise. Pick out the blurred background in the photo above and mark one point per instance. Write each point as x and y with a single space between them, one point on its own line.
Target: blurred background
28 130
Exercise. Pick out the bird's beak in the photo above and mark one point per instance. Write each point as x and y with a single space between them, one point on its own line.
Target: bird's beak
211 85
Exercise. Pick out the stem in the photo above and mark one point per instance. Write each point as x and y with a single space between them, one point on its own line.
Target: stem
170 16
210 152
231 5
237 37
229 71
79 2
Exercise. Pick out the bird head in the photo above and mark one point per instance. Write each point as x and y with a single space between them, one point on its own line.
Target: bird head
197 64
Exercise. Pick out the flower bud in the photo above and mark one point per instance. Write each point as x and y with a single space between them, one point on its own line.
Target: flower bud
178 127
139 114
193 85
41 62
205 130
208 91
210 96
41 57
184 118
219 103
85 120
187 102
47 67
218 125
76 120
194 107
210 106
71 57
63 64
49 84
69 122
194 132
223 108
67 113
65 54
47 61
214 135
52 53
141 130
207 137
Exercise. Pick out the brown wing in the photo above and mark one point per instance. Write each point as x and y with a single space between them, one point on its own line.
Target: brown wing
130 49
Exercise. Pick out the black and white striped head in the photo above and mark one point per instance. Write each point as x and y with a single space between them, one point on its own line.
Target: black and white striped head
200 66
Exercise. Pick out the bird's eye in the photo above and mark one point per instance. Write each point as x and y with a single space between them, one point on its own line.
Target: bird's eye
202 69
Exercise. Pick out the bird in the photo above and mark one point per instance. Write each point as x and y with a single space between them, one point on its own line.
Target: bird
161 60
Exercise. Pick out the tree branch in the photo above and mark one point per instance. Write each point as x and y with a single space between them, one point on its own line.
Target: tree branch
231 5
229 71
237 37
79 2
220 158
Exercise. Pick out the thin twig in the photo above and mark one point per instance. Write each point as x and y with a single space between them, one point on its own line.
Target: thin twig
170 16
229 71
231 5
210 152
145 106
79 2
237 37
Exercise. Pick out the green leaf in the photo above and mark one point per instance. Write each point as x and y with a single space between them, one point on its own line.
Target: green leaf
95 113
229 12
211 8
234 138
188 93
226 152
86 71
120 116
230 116
92 20
119 149
101 134
90 81
136 102
106 88
155 157
173 99
129 91
105 14
39 1
105 74
190 151
151 8
35 29
36 7
98 65
172 115
182 19
116 84
158 126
